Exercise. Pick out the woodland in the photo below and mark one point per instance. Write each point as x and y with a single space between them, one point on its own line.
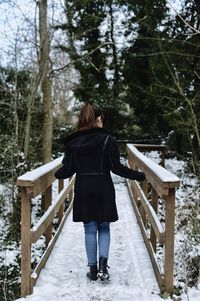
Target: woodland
138 60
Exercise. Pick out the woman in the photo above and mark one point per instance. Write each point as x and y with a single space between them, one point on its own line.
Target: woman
91 152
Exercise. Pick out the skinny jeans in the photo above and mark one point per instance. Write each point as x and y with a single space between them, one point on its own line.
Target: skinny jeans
92 240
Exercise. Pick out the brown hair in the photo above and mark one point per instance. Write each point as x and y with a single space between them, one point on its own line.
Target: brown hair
87 117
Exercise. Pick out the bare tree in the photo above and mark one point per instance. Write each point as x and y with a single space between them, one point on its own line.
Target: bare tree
44 70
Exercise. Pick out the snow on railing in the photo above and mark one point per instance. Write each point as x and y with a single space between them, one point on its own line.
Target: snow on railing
34 175
39 181
159 183
162 175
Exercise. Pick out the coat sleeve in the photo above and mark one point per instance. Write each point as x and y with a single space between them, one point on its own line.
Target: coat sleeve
118 168
67 170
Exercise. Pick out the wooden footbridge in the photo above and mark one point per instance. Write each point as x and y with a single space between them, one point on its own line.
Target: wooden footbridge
158 188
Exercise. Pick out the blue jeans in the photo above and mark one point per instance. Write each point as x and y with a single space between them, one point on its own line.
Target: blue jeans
91 230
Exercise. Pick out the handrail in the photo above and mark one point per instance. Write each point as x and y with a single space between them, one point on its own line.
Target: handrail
39 179
159 183
31 184
30 177
161 177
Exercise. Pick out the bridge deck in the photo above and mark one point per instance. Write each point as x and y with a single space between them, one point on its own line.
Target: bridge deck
132 277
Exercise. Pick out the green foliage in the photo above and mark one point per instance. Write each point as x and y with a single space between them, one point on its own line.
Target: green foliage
151 63
59 135
142 66
95 57
10 289
84 19
15 90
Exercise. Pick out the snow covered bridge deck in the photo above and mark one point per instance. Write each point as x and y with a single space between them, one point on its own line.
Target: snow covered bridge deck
63 275
132 275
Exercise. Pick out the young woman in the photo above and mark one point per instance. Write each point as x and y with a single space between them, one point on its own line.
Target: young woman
91 152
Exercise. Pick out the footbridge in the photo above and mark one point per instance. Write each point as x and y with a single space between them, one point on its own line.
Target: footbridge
141 233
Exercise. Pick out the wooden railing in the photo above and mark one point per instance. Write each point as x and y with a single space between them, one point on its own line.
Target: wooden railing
33 183
40 180
159 183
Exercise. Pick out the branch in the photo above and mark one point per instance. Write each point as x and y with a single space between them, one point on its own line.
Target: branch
197 74
185 22
79 59
167 52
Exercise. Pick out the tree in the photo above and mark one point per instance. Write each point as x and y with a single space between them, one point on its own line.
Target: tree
183 63
44 70
142 63
92 48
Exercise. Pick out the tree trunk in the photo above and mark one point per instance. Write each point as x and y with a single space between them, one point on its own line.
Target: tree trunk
114 51
44 69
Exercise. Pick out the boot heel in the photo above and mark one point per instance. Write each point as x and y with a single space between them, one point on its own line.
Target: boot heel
103 272
92 274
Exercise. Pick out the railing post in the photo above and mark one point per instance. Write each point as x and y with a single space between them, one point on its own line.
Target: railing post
163 152
154 203
48 200
143 212
169 241
71 194
25 242
60 212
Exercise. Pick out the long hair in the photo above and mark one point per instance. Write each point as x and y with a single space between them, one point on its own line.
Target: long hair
88 116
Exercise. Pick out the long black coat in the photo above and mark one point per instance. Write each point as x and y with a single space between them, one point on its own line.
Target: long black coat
92 154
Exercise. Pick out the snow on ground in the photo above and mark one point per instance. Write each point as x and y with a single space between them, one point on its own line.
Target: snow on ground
132 277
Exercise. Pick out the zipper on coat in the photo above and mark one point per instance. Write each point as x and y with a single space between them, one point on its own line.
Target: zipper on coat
104 146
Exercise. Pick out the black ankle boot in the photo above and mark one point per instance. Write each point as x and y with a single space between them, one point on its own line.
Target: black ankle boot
92 274
103 271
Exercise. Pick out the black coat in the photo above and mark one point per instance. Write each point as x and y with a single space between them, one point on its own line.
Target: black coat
92 154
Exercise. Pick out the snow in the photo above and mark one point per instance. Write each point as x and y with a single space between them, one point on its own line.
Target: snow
10 257
132 277
40 171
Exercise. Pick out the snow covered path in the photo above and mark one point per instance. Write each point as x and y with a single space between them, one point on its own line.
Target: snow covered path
132 277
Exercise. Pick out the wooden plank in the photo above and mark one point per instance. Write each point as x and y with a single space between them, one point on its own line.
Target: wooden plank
34 175
131 162
144 186
169 241
162 191
159 275
150 147
154 203
71 194
25 242
41 264
42 182
61 210
138 193
163 152
153 171
47 202
48 216
153 147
